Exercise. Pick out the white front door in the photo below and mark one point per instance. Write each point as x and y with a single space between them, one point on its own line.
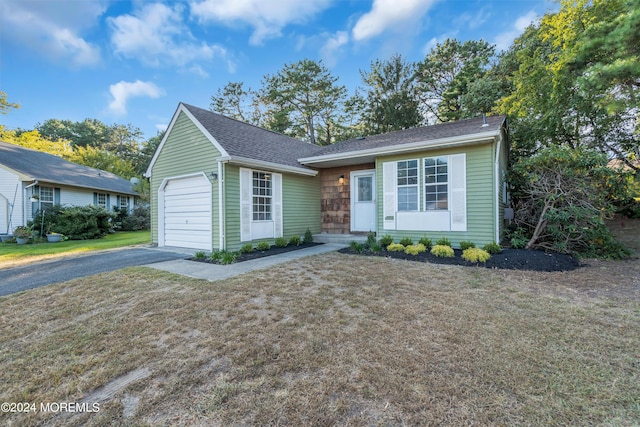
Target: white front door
363 200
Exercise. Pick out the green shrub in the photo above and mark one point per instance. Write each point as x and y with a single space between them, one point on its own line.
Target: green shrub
375 247
78 222
200 255
395 247
247 248
415 249
138 219
492 248
228 257
295 241
281 242
443 242
386 240
263 246
519 238
371 239
475 255
216 255
444 251
426 242
465 244
406 241
308 237
357 247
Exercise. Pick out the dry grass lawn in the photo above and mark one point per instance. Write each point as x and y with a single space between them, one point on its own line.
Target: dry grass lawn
330 340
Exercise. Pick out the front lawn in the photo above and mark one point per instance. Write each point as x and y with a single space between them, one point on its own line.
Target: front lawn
12 254
332 339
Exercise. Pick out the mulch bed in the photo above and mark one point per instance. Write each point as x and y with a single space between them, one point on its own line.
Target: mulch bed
509 259
274 250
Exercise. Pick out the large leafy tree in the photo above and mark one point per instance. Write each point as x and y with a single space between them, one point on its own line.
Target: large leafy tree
445 74
301 95
390 101
5 105
233 100
34 141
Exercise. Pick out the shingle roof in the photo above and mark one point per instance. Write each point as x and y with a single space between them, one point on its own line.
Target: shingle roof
421 134
241 139
49 168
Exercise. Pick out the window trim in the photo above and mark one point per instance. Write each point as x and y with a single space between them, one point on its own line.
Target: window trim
436 184
416 185
98 200
267 213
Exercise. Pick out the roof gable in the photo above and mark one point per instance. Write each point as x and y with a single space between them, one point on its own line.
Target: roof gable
44 167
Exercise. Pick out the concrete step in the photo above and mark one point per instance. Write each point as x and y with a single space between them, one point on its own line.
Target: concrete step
339 238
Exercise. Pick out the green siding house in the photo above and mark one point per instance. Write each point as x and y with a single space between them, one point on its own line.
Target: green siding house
217 183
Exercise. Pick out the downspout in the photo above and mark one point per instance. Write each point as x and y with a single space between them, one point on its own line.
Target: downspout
221 220
497 189
24 201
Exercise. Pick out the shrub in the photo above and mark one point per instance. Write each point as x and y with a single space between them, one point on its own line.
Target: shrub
247 248
406 241
475 255
263 246
138 219
295 241
228 257
78 222
519 238
215 255
465 244
371 239
415 249
443 242
493 248
386 240
308 237
357 247
375 247
426 242
395 247
200 255
444 251
281 242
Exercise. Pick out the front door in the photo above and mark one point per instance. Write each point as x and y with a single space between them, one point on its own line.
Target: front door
363 200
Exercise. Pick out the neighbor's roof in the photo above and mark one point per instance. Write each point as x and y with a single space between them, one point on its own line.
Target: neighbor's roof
39 166
245 141
458 132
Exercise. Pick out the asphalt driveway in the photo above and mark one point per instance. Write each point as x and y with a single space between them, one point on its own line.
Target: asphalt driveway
31 276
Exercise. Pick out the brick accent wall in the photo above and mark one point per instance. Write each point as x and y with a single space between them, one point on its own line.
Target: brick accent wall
336 198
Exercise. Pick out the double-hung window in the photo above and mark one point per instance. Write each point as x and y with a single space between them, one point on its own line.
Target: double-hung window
262 196
407 181
436 183
46 197
101 200
124 202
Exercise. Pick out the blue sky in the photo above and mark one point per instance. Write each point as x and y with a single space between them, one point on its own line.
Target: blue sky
133 61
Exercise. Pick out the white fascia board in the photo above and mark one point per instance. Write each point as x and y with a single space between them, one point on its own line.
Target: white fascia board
252 163
182 108
476 138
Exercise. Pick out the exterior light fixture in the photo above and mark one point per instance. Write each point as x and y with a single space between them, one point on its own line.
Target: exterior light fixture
214 176
341 179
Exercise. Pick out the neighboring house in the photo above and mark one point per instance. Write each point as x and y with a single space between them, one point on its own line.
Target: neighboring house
217 183
32 180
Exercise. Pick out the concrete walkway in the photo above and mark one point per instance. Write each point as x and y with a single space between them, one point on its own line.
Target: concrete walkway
203 270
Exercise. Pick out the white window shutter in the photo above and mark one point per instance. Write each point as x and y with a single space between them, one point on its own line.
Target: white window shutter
277 204
389 180
458 180
246 204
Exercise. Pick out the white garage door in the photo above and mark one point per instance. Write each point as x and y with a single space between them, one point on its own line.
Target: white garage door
187 213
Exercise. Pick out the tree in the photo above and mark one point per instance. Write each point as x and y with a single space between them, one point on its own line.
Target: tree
104 160
445 74
87 133
34 141
236 102
301 93
390 102
5 105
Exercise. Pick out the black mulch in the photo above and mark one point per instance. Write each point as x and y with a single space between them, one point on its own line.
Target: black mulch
509 259
274 250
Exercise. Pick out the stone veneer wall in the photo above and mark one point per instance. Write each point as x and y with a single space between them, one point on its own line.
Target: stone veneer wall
336 198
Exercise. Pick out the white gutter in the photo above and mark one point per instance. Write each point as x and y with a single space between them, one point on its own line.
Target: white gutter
403 148
259 164
497 180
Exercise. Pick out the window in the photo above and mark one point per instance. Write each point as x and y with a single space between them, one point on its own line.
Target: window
124 202
46 197
407 180
436 188
261 196
101 200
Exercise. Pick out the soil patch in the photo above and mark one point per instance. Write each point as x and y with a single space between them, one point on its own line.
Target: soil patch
509 259
274 250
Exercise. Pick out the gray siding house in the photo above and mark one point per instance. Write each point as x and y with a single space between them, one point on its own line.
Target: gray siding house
217 183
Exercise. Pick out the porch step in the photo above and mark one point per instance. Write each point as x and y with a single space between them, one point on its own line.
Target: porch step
339 238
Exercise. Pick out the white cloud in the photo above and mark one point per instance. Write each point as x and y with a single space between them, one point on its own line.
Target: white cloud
504 40
394 15
122 91
157 35
267 17
54 29
332 47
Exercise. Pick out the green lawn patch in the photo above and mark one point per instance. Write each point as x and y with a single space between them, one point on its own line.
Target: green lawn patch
12 254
